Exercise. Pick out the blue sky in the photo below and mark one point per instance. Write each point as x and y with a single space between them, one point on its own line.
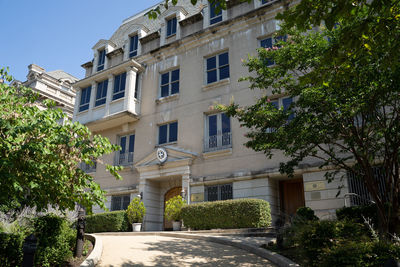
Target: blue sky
58 34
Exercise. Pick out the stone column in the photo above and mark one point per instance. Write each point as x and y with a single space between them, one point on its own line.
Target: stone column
110 90
186 186
77 102
129 102
92 97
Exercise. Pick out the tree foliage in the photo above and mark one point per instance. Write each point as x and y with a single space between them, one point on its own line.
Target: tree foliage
39 157
345 80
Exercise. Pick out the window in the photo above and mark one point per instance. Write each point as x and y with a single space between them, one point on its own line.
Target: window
214 15
85 98
87 167
218 192
133 45
125 155
360 192
264 1
170 83
171 26
119 86
217 67
102 59
120 202
285 103
218 132
269 43
101 93
168 133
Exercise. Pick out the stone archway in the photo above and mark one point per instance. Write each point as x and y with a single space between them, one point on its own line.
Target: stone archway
175 191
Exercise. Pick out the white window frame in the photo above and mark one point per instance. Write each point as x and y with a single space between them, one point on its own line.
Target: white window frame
102 66
217 67
137 46
129 158
168 133
169 82
219 136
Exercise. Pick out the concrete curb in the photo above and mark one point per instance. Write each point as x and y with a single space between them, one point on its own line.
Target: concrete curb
274 257
95 255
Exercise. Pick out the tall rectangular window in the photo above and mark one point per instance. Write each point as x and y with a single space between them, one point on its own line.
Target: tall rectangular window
217 67
269 43
120 202
218 132
215 16
125 155
101 93
218 192
133 45
171 26
168 133
85 98
137 85
119 86
102 60
169 83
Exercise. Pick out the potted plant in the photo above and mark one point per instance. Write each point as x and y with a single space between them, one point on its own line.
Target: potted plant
172 212
136 211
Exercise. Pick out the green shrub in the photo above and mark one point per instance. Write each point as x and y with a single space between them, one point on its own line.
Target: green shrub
356 213
352 253
173 208
227 214
114 221
136 211
305 214
11 249
56 240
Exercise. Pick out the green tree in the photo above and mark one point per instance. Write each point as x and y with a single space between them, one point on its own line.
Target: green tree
39 158
345 114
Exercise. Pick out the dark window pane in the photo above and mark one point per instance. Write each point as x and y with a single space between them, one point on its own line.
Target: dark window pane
211 63
84 107
226 192
131 143
275 104
226 123
119 95
216 19
137 85
173 25
175 75
123 144
223 59
123 81
98 91
165 78
212 76
286 103
212 125
224 72
164 90
174 88
162 134
126 202
173 132
116 203
266 43
117 81
212 193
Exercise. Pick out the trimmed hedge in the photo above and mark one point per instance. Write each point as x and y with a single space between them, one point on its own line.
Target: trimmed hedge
113 221
356 213
227 214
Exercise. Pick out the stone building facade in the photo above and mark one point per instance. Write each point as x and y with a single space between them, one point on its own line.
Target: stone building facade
152 88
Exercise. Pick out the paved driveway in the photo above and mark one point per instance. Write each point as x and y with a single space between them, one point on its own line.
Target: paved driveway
169 251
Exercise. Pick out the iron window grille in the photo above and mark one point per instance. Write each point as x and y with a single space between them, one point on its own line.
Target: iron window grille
120 202
218 132
218 192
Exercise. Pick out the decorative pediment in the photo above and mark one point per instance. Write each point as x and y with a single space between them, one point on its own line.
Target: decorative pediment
103 43
174 155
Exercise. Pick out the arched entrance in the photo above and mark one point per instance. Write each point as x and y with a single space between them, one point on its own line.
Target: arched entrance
170 194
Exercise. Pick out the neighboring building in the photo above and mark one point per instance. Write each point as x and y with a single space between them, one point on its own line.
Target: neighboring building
55 85
152 87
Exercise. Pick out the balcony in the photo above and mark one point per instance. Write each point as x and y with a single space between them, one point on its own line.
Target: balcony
110 111
218 142
124 159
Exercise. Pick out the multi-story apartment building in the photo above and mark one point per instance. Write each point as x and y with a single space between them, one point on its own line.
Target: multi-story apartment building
55 85
152 88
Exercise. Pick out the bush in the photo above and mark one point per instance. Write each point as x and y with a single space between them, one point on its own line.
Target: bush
114 221
351 253
356 213
136 211
305 214
227 214
55 240
11 249
173 208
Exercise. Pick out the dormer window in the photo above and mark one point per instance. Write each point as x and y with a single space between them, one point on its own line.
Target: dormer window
133 45
215 16
171 26
102 59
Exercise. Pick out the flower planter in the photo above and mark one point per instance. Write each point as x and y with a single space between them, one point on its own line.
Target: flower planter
136 227
176 225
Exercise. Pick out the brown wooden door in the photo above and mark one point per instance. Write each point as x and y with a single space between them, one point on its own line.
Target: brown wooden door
170 194
292 196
